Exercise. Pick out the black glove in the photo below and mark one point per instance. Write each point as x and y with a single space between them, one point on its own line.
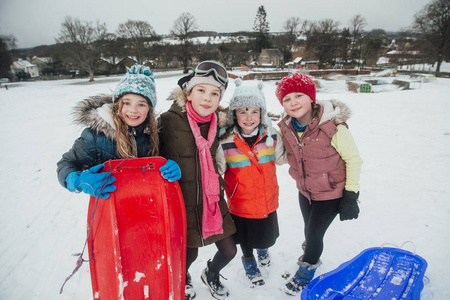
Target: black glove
348 206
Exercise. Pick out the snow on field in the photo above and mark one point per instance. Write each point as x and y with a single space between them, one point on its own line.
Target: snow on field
403 137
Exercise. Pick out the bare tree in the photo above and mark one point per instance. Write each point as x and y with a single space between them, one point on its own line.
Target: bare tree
321 40
138 34
83 49
433 22
357 24
113 48
182 30
372 44
292 30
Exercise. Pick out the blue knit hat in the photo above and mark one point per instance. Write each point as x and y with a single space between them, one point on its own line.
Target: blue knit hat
138 80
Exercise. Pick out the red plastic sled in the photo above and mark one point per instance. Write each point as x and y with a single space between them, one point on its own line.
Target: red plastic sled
138 241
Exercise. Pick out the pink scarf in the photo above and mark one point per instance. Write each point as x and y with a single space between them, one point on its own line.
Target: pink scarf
212 217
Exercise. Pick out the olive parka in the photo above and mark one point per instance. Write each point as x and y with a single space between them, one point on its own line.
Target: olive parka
178 144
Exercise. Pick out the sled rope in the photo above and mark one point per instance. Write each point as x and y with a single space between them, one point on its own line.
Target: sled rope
401 246
80 259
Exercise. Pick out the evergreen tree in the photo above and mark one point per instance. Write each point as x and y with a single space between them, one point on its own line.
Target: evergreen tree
261 29
5 59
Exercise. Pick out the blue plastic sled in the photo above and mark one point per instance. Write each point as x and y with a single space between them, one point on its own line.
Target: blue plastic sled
376 273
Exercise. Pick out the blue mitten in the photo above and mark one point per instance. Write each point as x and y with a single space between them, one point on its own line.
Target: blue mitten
170 171
91 182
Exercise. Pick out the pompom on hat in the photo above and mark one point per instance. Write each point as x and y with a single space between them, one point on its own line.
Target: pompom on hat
138 80
296 83
250 96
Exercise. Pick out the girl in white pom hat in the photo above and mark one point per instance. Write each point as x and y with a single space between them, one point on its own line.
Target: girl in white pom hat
247 155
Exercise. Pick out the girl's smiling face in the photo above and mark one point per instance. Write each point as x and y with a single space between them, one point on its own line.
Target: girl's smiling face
204 99
248 118
298 105
134 110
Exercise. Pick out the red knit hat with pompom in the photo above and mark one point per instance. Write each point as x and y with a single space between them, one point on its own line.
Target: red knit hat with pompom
296 83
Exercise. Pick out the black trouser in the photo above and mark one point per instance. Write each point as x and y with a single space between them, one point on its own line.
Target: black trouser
317 217
226 252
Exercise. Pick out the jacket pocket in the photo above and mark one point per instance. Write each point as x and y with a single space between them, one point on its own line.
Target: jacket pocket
318 182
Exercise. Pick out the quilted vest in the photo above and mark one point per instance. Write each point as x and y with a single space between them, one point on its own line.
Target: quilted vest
315 165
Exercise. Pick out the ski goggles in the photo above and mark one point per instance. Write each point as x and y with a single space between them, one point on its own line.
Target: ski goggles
207 68
218 71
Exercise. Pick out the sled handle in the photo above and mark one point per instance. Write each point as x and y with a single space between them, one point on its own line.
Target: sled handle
148 167
401 246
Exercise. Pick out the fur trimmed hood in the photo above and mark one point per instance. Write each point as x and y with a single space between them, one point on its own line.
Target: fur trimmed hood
179 97
334 110
96 113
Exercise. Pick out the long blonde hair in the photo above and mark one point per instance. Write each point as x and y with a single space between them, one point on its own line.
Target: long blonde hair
124 143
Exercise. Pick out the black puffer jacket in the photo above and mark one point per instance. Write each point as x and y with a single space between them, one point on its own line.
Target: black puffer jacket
97 142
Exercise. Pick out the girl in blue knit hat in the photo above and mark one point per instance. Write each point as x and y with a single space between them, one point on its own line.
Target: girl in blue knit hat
246 156
118 127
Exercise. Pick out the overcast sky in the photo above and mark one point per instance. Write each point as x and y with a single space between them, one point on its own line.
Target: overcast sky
38 22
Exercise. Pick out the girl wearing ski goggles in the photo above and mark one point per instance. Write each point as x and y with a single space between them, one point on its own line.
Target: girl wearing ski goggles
204 69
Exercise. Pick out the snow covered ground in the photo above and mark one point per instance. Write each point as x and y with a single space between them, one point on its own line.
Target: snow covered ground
403 137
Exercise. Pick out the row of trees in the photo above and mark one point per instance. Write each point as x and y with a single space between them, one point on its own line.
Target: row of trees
81 44
84 42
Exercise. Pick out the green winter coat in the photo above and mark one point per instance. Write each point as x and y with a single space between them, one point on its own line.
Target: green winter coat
177 143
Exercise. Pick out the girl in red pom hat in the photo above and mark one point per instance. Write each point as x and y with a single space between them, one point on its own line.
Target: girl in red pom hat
325 163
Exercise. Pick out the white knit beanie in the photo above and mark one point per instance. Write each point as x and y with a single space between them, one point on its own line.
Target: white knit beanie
250 96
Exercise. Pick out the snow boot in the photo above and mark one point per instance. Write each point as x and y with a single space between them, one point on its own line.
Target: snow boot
212 281
189 292
252 271
302 277
263 257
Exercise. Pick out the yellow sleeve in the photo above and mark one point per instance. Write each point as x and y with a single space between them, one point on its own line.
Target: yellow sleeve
344 144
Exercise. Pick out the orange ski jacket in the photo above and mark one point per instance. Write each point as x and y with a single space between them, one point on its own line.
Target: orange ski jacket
250 174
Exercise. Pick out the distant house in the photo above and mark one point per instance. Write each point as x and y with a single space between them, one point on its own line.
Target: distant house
295 63
25 66
124 63
41 62
107 64
271 58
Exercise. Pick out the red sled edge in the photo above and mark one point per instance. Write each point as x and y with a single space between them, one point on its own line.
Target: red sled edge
109 246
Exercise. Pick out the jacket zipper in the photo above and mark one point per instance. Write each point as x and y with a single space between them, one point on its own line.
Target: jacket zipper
198 199
299 144
133 134
234 191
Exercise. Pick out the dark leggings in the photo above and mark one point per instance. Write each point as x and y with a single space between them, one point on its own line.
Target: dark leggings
226 252
317 217
247 251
